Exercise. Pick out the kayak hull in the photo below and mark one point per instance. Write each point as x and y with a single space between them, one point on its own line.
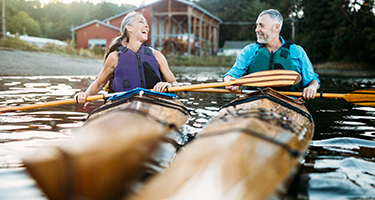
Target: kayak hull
250 150
111 151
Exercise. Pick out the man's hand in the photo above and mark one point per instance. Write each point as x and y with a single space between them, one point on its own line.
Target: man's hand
309 92
231 87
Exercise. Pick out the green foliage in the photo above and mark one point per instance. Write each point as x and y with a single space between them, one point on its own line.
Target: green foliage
369 32
245 11
17 43
51 47
335 30
56 19
353 38
86 53
317 29
98 51
329 31
23 22
71 50
224 61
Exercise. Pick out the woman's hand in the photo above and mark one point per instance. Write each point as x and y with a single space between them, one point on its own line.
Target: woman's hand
160 87
80 98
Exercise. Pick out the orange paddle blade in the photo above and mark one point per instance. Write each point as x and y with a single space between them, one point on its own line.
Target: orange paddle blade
364 97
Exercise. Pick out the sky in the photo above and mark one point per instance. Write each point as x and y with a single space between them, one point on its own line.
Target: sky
131 2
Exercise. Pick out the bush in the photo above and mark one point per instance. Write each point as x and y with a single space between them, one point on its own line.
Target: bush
17 43
98 51
86 53
224 61
70 50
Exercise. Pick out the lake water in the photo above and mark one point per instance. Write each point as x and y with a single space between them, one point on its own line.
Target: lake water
339 165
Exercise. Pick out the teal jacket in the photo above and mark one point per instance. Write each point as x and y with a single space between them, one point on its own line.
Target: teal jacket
298 57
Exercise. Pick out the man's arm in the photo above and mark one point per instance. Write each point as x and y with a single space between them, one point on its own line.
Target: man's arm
310 80
239 68
310 91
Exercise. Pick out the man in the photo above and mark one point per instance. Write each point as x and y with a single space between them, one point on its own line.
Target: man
272 52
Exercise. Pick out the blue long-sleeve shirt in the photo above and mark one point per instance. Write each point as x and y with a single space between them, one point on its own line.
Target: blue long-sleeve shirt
297 54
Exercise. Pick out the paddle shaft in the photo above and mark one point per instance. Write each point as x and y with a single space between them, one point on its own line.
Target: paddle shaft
172 89
295 94
259 79
363 97
52 103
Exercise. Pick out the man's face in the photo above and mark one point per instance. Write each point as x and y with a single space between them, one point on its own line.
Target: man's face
265 30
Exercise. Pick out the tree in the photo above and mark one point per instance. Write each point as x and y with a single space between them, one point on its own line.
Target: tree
23 22
245 11
338 30
317 28
354 36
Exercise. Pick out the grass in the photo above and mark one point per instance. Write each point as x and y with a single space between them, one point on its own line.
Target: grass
193 60
341 66
17 43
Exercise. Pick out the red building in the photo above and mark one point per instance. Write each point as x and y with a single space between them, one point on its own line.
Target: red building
176 26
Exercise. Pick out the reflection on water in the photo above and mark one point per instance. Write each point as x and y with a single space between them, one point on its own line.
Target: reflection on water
339 164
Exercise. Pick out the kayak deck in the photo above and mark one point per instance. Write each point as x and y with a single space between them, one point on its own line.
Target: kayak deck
110 152
250 150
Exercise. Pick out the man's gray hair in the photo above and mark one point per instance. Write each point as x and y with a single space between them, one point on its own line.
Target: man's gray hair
275 16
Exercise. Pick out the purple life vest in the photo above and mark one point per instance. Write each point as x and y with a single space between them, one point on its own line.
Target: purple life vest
136 70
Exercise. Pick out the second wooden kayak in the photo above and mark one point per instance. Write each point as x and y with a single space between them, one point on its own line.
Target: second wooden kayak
250 150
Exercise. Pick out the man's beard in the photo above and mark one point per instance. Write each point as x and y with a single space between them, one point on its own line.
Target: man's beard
266 37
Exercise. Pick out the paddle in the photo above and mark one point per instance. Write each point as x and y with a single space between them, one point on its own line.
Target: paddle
52 103
271 78
365 97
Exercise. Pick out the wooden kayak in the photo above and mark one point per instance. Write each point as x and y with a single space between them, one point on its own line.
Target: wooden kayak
120 143
250 150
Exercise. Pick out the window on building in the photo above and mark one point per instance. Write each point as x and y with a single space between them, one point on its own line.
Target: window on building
97 42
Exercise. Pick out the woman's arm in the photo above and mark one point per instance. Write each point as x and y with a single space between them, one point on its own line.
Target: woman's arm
104 75
167 73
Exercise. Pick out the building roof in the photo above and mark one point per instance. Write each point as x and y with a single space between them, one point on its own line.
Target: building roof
200 8
235 44
181 1
42 41
93 22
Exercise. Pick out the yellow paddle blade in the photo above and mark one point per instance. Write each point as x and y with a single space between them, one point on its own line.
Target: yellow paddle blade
364 97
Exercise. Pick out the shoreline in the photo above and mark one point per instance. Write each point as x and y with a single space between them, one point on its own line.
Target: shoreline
23 63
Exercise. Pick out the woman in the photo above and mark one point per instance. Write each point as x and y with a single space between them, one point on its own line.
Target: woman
133 65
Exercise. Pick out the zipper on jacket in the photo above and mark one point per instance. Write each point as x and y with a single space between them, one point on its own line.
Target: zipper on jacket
271 60
140 70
